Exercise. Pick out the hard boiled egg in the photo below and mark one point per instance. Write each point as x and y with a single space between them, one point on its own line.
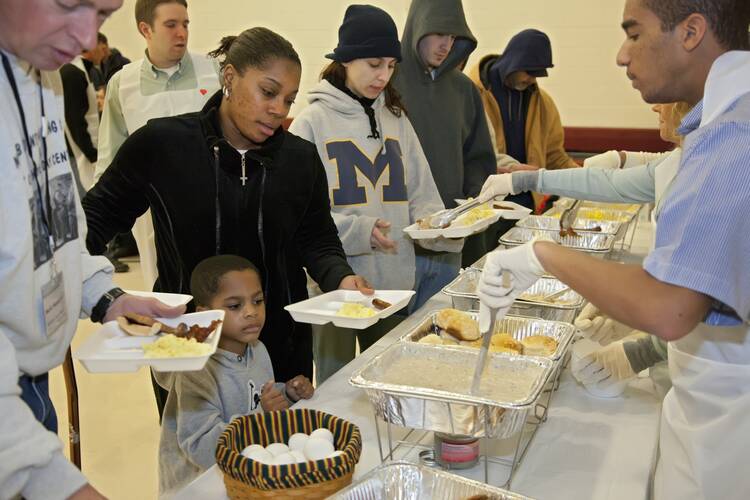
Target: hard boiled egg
262 456
316 449
335 454
277 449
297 441
299 456
253 447
322 433
284 459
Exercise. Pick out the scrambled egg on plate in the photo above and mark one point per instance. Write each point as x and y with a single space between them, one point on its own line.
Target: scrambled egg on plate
354 310
170 346
474 215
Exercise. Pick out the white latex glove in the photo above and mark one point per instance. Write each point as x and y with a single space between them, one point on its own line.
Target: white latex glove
609 159
599 327
524 268
608 363
496 186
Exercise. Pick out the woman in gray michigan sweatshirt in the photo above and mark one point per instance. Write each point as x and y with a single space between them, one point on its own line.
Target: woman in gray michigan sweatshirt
378 176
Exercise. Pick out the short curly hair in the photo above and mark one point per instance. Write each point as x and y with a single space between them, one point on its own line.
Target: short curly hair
728 19
206 277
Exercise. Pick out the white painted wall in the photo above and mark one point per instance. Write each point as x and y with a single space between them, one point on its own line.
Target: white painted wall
588 87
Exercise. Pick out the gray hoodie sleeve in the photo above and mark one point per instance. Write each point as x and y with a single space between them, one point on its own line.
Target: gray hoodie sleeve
199 416
32 464
96 270
354 232
634 185
478 153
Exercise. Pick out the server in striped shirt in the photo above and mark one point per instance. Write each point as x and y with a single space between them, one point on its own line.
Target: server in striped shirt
693 289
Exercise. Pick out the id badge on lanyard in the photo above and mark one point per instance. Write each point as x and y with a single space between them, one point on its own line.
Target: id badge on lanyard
53 298
53 291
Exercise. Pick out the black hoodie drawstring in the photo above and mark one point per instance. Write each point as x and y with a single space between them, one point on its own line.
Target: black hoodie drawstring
373 124
366 105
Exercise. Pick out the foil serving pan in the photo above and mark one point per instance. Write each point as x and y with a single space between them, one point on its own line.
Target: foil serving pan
518 327
452 412
463 292
407 481
594 213
621 207
587 242
546 223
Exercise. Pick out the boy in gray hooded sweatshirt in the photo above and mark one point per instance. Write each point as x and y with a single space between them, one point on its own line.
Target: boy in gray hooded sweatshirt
237 380
448 116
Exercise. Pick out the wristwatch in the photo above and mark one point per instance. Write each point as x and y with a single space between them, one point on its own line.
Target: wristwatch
101 307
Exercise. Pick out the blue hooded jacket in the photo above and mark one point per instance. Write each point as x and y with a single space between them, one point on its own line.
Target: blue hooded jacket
530 51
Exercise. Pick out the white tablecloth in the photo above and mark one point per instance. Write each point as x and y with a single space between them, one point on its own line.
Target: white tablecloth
588 447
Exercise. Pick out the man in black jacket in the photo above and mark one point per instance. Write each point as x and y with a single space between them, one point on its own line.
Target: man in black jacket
269 205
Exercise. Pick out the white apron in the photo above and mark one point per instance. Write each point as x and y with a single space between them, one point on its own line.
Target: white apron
137 109
705 420
85 167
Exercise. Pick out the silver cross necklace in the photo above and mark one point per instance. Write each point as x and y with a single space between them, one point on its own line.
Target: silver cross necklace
243 178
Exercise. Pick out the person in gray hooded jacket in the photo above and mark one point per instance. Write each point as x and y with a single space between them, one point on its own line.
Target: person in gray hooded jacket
448 116
237 380
379 177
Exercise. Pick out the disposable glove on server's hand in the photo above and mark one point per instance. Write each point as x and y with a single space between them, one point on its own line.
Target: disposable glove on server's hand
621 360
496 186
607 160
596 326
524 269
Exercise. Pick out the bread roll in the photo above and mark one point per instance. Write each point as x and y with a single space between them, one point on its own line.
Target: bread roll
539 345
458 324
431 339
504 342
504 350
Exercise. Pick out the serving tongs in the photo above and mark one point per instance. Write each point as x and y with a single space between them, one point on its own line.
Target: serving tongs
568 217
556 295
486 339
443 218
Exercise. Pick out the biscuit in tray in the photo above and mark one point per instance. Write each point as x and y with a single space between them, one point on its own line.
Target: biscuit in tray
458 324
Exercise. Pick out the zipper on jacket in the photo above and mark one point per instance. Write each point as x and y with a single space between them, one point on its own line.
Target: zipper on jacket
217 207
260 226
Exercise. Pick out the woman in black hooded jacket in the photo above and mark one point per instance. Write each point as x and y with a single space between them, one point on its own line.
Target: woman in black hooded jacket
230 180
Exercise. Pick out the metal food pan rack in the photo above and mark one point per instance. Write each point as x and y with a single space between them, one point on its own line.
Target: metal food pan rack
547 223
402 480
627 214
419 412
463 294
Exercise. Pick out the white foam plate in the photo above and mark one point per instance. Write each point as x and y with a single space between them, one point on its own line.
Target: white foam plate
452 231
513 212
110 350
171 299
322 309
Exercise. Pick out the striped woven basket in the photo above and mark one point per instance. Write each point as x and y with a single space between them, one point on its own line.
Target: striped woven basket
246 478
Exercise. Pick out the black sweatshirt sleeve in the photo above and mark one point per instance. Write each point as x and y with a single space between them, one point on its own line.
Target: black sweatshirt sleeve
318 239
76 105
119 198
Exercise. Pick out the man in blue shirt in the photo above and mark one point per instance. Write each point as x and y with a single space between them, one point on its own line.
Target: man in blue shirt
693 289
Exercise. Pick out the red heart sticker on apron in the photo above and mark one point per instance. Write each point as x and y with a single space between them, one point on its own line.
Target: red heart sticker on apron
203 91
